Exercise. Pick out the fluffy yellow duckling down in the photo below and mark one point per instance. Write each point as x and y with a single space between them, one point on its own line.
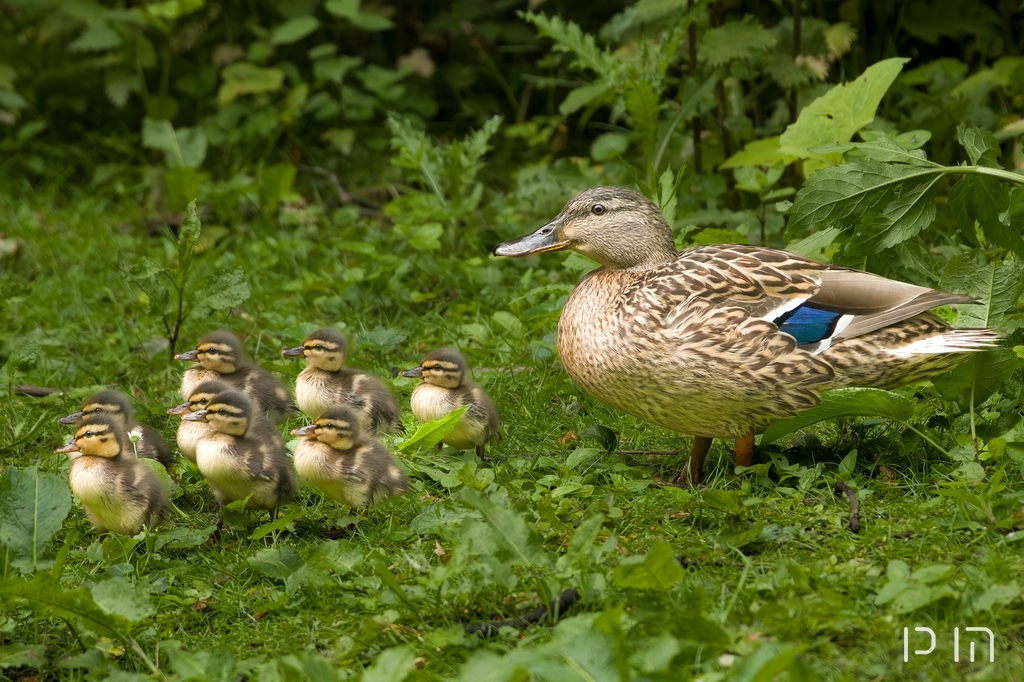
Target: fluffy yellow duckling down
347 465
191 432
326 382
120 494
219 355
242 456
445 388
118 406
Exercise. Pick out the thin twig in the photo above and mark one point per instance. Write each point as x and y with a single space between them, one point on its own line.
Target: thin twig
841 487
35 391
343 196
537 615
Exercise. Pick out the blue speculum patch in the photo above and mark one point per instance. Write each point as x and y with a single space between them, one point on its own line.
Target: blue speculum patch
808 324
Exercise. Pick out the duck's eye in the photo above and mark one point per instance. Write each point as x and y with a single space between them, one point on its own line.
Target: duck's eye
89 434
222 411
318 347
597 209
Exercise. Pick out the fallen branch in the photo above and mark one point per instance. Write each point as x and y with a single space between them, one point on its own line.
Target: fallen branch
538 615
841 487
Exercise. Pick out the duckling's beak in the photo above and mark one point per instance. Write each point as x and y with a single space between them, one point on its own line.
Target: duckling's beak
184 408
70 446
304 431
414 373
547 238
188 355
197 416
296 352
71 418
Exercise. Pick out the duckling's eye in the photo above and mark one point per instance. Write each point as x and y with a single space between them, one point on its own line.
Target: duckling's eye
318 347
597 209
222 411
89 434
212 352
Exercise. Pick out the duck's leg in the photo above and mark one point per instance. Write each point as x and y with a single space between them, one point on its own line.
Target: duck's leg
215 535
481 455
694 471
745 451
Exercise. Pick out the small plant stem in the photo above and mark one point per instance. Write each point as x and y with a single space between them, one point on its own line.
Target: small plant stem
739 585
994 172
974 433
930 441
145 659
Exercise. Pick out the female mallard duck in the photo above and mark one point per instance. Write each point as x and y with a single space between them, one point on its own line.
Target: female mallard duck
325 382
116 404
718 341
445 388
120 494
219 355
242 456
191 432
348 466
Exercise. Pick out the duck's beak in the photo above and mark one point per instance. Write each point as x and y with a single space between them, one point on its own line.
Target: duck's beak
71 418
414 373
188 355
304 431
184 408
197 416
547 238
296 352
70 446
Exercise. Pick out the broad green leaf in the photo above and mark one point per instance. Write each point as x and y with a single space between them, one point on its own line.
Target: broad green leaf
882 149
980 144
23 655
842 111
577 98
276 562
582 541
381 340
181 147
843 403
426 237
743 39
203 666
278 524
985 200
765 663
609 146
33 504
978 377
391 665
349 9
602 434
46 597
172 9
433 432
518 544
815 245
293 30
339 556
766 152
274 182
658 570
121 597
225 290
245 78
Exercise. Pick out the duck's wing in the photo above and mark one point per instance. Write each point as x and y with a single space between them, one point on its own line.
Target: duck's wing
815 303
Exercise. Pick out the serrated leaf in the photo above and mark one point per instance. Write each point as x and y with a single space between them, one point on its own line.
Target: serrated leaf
96 38
842 111
276 562
381 340
764 152
733 40
225 290
858 194
188 237
570 37
987 201
517 544
998 285
433 432
980 144
293 30
335 555
658 570
121 597
843 403
33 504
47 598
119 84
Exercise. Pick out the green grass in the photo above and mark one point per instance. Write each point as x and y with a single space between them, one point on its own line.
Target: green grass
774 580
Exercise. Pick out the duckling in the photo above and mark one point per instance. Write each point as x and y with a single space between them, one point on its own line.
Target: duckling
445 388
116 404
718 341
242 456
348 466
191 432
120 494
219 355
325 382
